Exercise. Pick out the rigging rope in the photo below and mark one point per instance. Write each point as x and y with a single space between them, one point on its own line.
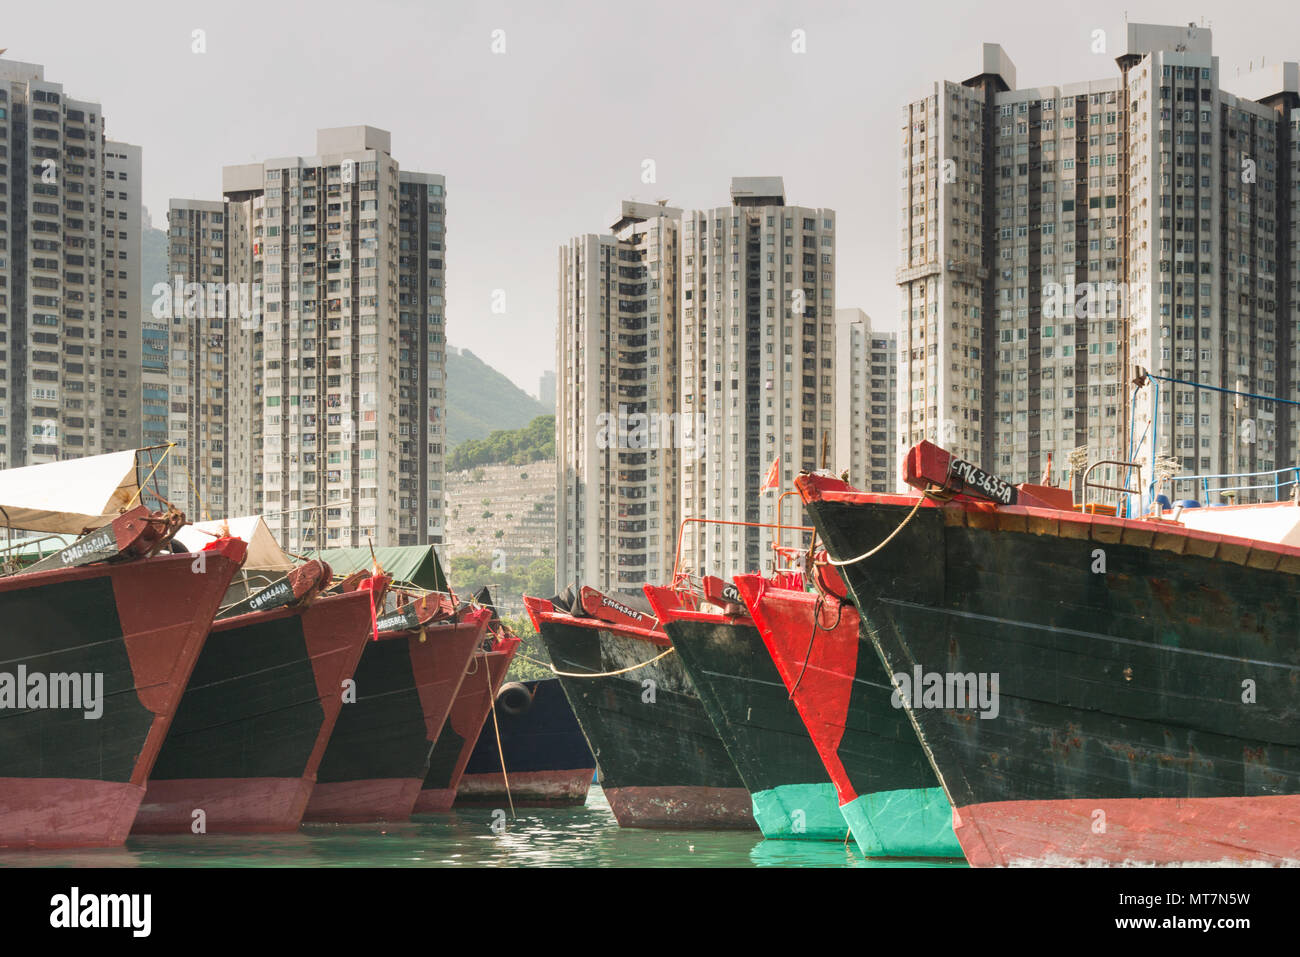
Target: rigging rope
500 752
864 557
141 487
595 674
1215 388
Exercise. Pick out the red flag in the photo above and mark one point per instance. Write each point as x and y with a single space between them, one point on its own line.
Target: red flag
1047 472
773 476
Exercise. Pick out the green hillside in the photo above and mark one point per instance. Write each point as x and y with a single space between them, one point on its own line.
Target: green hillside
481 400
533 443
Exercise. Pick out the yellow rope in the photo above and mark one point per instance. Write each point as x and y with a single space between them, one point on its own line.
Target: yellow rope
500 752
141 487
860 558
195 489
599 674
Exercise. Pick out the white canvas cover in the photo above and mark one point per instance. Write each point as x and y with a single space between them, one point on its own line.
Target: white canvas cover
68 497
264 552
1276 522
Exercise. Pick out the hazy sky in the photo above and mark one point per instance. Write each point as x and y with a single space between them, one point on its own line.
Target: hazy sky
541 142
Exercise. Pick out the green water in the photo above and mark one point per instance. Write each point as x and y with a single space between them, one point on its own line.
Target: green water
539 837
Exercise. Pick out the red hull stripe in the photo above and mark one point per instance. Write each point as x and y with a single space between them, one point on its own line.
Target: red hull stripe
434 800
683 807
437 687
526 787
468 718
824 677
1149 532
354 802
335 630
62 812
1133 831
229 805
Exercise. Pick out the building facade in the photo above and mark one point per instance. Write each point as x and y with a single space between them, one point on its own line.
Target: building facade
196 358
758 367
1055 238
69 276
618 437
546 389
693 349
310 389
866 383
122 310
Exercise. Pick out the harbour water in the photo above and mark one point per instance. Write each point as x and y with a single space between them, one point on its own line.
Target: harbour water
538 837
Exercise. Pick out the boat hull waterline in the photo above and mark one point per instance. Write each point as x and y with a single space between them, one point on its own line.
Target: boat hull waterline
1147 676
791 795
546 757
887 792
243 750
68 780
661 763
377 757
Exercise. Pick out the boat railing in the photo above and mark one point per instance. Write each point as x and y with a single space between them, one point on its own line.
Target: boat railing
1281 482
781 514
1122 492
9 550
692 520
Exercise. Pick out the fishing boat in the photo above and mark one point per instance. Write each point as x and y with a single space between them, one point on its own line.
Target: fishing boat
1090 689
469 712
719 646
98 644
242 752
408 677
884 787
547 761
661 763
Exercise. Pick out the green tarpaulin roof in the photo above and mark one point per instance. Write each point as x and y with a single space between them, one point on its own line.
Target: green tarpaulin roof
416 564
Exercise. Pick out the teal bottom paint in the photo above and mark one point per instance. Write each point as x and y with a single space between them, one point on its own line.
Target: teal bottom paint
910 823
800 812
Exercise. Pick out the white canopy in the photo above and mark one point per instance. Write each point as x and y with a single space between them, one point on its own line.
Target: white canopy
264 552
68 497
1277 522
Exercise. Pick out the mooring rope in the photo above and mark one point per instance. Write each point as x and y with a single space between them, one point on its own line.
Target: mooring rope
501 755
596 674
817 625
821 595
865 556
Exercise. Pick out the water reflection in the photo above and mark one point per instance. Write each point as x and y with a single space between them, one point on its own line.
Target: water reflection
537 837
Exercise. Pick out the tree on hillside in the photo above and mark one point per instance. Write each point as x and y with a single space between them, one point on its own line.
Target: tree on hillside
533 443
523 669
468 573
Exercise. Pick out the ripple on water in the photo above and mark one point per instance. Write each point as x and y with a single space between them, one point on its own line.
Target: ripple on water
585 836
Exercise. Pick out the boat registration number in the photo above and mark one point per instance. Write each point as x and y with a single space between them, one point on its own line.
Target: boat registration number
976 479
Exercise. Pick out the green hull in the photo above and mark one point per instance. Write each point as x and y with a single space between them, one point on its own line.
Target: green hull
916 822
809 812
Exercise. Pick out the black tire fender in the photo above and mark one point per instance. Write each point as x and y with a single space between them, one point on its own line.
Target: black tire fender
514 698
